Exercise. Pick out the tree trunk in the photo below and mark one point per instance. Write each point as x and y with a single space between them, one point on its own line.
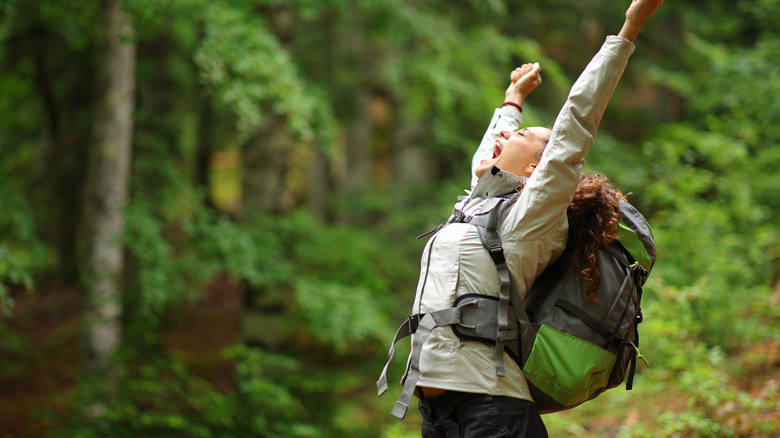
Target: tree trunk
354 111
263 191
264 168
107 192
358 153
410 164
62 166
320 186
205 140
204 149
670 34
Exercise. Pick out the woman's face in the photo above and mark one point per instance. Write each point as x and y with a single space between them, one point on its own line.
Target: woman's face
517 152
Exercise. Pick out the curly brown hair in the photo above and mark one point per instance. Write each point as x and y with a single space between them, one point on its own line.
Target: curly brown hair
594 216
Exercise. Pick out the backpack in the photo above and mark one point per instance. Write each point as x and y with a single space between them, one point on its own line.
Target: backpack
575 351
569 352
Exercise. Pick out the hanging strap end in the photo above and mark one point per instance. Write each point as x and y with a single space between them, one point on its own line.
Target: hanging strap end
498 359
399 411
381 386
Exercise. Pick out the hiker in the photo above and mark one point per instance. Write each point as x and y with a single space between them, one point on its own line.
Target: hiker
461 393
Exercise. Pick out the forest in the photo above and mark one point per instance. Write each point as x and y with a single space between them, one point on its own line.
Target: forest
208 209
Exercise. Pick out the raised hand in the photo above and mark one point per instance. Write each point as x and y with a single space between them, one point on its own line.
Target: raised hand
636 14
524 79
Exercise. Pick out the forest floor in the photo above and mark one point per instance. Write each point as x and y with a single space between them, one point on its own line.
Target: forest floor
41 366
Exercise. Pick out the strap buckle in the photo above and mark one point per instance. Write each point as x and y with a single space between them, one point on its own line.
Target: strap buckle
497 253
414 321
639 273
457 216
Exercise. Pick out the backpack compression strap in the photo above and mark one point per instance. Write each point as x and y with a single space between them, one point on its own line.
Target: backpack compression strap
472 317
421 325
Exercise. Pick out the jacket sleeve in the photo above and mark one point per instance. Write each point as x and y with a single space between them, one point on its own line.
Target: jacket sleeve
506 118
540 212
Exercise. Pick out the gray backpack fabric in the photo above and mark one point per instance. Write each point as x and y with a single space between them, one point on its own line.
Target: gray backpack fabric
569 352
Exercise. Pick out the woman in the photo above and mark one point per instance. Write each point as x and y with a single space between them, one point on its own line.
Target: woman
461 392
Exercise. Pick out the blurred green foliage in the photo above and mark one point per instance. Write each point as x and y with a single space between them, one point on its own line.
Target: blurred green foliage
22 253
158 397
691 133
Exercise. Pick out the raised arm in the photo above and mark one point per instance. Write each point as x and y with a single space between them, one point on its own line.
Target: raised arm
549 190
508 117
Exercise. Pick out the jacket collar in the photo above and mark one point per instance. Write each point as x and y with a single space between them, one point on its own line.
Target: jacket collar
496 182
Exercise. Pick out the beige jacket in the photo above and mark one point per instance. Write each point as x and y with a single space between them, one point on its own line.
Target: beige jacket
533 231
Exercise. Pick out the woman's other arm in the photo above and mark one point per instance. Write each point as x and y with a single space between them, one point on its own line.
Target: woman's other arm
523 80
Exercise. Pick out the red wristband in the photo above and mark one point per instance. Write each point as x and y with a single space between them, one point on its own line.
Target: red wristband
519 108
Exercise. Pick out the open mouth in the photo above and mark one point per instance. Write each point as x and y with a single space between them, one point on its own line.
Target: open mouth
497 149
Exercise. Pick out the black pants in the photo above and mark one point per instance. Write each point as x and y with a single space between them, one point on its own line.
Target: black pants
464 415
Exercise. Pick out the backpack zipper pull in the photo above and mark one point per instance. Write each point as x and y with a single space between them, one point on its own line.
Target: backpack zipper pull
638 354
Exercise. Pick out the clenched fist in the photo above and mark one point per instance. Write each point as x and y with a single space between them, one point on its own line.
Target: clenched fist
523 80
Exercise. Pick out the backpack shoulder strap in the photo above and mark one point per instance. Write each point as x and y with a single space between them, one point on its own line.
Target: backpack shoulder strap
487 226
